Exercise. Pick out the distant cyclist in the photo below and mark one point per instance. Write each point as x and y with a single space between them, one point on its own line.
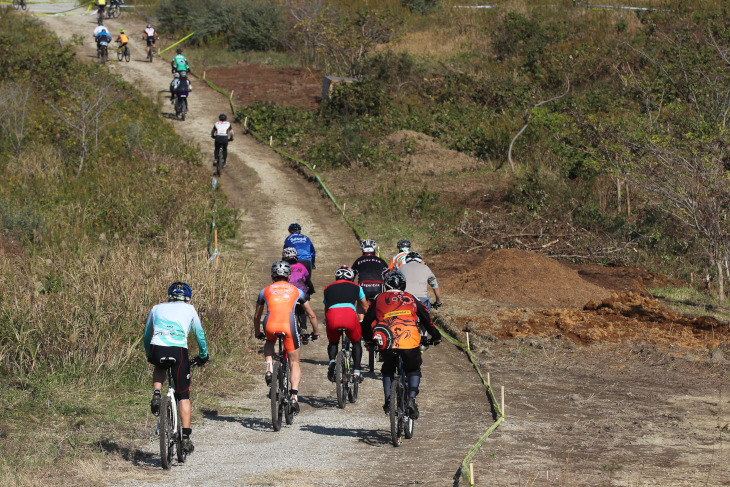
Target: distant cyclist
305 249
150 35
280 299
369 268
102 37
166 335
179 62
98 29
340 299
404 246
222 133
393 323
419 278
100 4
122 39
180 86
300 277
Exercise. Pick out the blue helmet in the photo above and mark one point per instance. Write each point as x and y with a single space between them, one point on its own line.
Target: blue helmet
295 227
179 291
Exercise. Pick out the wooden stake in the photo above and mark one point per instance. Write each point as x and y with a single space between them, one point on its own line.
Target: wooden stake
502 400
271 141
231 94
467 341
203 74
215 246
471 473
488 382
245 123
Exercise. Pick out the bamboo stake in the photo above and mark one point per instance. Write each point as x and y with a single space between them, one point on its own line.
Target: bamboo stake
502 400
215 245
467 341
271 140
471 473
488 382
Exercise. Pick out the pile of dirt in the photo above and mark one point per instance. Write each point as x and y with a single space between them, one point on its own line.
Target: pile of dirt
422 154
525 279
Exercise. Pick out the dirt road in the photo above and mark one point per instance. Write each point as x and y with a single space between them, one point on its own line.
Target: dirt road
325 446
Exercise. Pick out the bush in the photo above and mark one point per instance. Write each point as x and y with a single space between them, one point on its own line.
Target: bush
422 7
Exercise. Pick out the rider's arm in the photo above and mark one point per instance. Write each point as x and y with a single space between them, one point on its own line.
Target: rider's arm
435 286
147 338
308 283
257 319
230 133
424 319
366 324
199 336
361 299
312 317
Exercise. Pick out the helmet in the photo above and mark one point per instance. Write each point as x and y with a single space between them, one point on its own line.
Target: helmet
295 227
383 337
368 246
289 253
403 244
149 26
121 31
394 281
280 269
222 117
179 50
414 256
183 74
176 75
179 291
344 272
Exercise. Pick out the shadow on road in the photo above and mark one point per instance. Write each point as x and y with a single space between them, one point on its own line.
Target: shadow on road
319 402
314 362
369 437
137 457
256 424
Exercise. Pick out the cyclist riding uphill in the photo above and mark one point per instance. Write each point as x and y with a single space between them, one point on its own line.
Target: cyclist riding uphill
369 268
166 335
404 246
300 277
222 133
179 62
180 85
98 29
149 35
340 299
102 36
305 249
122 38
393 323
419 278
280 298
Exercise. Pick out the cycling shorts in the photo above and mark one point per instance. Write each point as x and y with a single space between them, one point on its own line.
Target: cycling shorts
342 318
180 371
411 361
371 288
292 341
150 40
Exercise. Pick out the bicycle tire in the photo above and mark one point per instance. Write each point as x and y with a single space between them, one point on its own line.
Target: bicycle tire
166 426
127 54
181 455
276 397
354 388
371 360
183 108
341 380
288 413
116 12
24 6
395 418
120 55
16 4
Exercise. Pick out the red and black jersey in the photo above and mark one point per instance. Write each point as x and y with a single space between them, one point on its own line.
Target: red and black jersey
342 292
402 313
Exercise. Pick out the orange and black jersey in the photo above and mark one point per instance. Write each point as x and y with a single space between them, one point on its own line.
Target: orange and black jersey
402 313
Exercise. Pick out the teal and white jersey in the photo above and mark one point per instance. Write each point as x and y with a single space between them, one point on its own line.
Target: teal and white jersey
169 324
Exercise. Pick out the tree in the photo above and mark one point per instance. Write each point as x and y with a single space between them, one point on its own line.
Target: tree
14 113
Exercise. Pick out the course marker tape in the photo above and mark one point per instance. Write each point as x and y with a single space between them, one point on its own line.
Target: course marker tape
178 42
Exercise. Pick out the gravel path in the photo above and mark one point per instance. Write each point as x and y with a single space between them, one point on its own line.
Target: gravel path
325 446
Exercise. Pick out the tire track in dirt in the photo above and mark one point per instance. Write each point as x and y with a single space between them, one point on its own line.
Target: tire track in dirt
325 446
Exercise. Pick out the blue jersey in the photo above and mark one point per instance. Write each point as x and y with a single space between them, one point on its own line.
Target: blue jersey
305 249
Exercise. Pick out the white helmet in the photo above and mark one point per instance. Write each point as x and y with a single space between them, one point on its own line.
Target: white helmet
368 246
280 269
344 272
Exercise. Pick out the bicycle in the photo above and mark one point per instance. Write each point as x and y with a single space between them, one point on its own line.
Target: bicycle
113 11
123 53
150 52
400 423
169 427
347 385
20 4
102 54
181 105
100 15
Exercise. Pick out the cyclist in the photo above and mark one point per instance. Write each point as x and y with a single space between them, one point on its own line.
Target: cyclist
180 86
149 35
419 277
304 246
369 268
122 39
340 299
102 37
300 277
280 299
98 29
166 335
404 246
100 4
393 322
179 63
222 133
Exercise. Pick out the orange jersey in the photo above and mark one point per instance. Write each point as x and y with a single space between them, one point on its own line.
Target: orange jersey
398 311
281 299
123 39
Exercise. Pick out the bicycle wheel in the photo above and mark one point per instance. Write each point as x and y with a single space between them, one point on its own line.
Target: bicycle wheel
276 397
16 4
127 56
149 54
288 413
341 380
408 422
166 425
394 413
181 455
116 12
371 360
120 54
183 108
24 6
354 388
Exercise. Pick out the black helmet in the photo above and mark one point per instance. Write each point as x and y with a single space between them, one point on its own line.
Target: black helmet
179 291
179 50
295 227
414 256
403 244
222 117
394 281
280 269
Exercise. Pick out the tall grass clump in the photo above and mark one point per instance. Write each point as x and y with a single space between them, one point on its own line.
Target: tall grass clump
86 251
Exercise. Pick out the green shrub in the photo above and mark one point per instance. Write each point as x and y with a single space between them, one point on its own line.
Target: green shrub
422 7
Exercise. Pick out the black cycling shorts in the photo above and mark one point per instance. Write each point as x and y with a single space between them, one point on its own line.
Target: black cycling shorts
150 40
371 289
180 371
411 361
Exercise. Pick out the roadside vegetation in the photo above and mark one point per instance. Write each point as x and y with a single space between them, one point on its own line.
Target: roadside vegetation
102 207
621 116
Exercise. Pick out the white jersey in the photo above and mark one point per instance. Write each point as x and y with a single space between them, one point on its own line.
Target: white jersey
150 31
100 29
222 128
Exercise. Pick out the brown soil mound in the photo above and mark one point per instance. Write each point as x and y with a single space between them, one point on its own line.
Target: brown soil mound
526 279
423 154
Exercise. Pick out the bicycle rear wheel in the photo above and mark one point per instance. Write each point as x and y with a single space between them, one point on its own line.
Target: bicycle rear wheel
183 108
120 54
341 380
276 397
166 425
127 56
354 388
116 12
396 412
288 413
181 455
24 6
16 4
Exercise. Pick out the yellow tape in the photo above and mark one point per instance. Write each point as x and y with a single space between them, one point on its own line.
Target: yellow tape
178 42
